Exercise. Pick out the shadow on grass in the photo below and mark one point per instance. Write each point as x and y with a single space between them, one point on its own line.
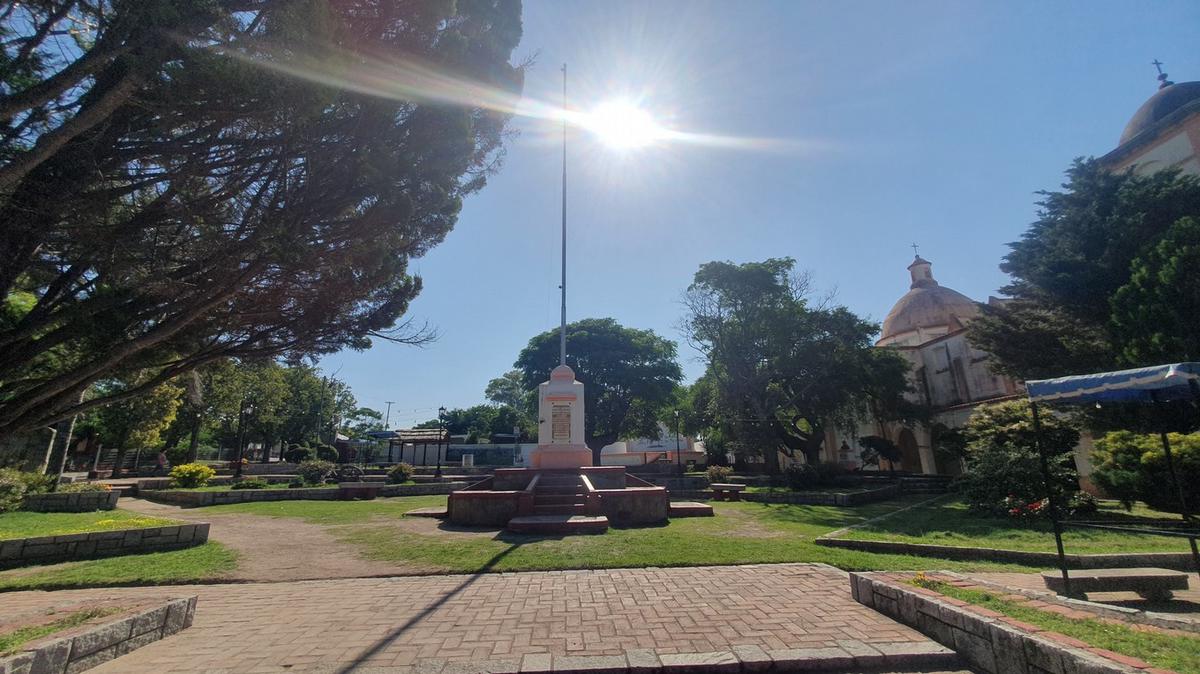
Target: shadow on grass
424 613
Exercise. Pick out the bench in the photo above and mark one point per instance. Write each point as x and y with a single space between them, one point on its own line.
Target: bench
727 492
349 491
1151 584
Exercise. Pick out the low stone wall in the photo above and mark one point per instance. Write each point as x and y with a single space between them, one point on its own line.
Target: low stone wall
200 499
483 508
154 483
849 498
634 505
72 502
88 646
72 547
1180 561
987 640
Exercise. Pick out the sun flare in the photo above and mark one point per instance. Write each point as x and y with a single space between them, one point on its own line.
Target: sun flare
623 125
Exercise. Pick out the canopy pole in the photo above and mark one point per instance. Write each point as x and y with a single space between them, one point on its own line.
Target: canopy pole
1166 445
1049 483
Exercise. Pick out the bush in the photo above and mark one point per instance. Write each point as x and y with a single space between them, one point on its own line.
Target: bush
828 472
82 487
1132 467
327 453
315 472
177 455
801 476
250 484
718 474
299 454
1003 468
400 473
1082 503
191 475
295 483
12 490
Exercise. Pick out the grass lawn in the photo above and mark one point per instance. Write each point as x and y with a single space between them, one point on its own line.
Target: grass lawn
12 640
200 563
22 524
1167 651
949 522
741 533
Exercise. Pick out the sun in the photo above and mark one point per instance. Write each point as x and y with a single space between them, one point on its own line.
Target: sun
623 125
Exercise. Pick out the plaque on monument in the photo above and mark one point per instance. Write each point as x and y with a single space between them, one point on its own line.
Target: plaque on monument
560 424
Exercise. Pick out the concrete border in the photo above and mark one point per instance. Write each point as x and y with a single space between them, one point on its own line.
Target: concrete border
987 640
201 499
87 646
75 547
846 498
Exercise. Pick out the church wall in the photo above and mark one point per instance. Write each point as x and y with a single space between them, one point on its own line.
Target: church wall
1179 148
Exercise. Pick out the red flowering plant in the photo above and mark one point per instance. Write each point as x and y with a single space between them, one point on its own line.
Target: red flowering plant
1019 508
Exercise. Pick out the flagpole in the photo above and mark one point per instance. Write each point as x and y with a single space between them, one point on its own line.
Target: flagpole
562 335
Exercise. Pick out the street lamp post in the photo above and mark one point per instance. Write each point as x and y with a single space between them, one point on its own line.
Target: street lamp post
441 413
678 458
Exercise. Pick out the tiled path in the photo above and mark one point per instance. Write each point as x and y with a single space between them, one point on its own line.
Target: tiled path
336 625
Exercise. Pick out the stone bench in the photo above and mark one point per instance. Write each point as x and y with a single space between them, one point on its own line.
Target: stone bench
358 490
1151 584
727 492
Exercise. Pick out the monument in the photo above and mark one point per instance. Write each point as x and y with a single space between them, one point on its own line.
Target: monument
560 423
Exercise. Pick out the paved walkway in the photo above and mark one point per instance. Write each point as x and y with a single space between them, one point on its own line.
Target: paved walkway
420 624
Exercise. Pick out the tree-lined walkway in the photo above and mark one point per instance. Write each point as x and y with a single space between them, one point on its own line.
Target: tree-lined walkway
508 618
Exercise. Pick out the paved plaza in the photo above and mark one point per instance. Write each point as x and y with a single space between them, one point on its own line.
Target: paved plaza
513 621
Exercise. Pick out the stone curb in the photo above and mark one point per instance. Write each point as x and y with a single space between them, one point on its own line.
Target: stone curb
847 498
200 499
987 640
1131 615
1180 561
83 648
70 502
91 545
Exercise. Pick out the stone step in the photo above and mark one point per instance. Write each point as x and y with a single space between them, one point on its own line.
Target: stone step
549 499
690 509
438 512
558 509
558 524
563 489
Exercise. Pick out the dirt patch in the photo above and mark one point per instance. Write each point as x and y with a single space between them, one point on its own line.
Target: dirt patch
427 526
746 525
277 548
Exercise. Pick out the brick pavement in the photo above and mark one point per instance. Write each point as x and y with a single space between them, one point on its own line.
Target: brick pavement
405 622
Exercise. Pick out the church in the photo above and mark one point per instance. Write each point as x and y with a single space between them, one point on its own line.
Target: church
927 325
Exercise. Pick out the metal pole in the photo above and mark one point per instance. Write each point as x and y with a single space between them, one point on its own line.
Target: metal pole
678 458
1049 482
562 335
441 413
1166 445
387 419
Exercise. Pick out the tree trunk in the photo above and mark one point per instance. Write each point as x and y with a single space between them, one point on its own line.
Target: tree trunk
120 459
598 443
771 460
194 442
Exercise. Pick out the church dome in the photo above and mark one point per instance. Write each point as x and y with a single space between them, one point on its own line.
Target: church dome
927 310
1165 101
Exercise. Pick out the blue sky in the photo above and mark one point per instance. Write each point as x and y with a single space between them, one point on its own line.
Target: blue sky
889 123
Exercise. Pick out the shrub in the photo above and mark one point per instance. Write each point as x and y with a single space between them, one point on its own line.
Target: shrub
299 454
295 483
828 472
82 487
12 490
191 475
177 455
718 474
400 473
315 472
1082 503
1003 468
1132 467
327 453
801 476
250 484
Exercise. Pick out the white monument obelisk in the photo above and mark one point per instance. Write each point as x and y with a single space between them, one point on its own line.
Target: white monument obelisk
560 400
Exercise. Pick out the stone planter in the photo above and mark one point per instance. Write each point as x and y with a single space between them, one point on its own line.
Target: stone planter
73 502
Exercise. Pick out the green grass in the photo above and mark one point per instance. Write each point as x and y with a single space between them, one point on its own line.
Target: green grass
949 522
11 641
1167 651
26 524
199 563
741 533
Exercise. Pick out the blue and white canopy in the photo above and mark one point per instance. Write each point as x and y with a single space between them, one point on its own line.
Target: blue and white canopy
1143 384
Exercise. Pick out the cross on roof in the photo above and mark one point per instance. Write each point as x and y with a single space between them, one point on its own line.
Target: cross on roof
914 247
1157 65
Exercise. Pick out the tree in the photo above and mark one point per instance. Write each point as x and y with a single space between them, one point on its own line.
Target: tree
508 389
185 181
1092 277
136 421
628 375
783 370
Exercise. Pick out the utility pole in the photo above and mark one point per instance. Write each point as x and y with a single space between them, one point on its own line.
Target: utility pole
562 336
388 418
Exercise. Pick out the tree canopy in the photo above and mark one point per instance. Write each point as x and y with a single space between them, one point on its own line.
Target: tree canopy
171 195
629 375
782 370
1102 279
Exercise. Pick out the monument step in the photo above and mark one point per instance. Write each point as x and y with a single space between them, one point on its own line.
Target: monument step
559 509
552 479
556 489
690 509
551 499
558 524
